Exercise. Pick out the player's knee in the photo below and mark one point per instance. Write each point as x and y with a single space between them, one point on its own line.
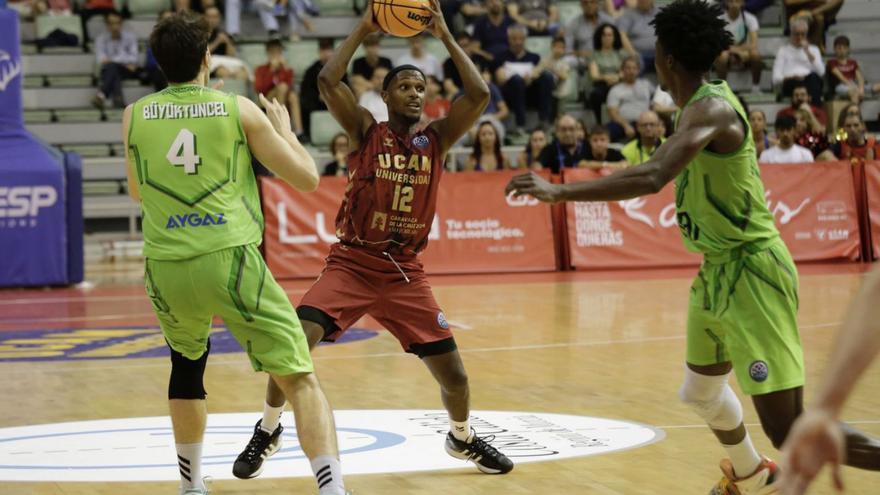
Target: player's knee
187 376
712 399
455 381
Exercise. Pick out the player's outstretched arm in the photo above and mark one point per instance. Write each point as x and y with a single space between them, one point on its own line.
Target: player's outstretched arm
466 109
816 438
336 94
133 190
275 145
699 125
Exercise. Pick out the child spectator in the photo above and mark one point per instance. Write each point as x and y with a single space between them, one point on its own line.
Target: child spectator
844 72
786 151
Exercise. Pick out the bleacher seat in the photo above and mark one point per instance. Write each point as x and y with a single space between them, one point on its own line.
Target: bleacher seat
324 127
254 54
146 8
45 24
568 11
300 56
539 45
83 115
335 7
37 116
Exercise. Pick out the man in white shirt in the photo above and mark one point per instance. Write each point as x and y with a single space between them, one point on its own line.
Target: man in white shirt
743 26
627 100
116 51
799 61
427 62
786 151
371 99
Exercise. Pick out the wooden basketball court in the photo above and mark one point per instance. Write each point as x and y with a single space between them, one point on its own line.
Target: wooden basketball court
608 345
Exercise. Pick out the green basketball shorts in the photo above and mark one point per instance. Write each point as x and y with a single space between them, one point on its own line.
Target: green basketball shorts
743 310
235 285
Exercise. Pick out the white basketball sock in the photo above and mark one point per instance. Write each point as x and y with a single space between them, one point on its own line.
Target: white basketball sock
461 430
744 457
189 463
328 475
271 417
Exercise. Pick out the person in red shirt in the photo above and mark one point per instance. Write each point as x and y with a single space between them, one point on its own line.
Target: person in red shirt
800 99
857 145
436 105
844 72
383 223
274 79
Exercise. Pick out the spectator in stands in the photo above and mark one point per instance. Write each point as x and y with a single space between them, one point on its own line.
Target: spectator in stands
820 13
490 30
616 8
275 79
52 7
743 26
540 16
90 9
451 78
362 68
636 25
522 80
664 106
371 99
599 154
856 144
310 97
785 150
758 122
152 74
565 151
436 105
265 11
487 155
844 72
580 31
496 111
581 131
850 109
800 100
627 100
649 137
799 62
560 66
529 155
339 150
417 56
117 53
197 6
224 61
299 14
809 133
605 63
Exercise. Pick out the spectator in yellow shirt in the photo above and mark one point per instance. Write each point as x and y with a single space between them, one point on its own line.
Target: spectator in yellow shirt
648 138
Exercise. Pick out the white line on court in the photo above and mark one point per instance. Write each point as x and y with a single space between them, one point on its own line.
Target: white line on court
86 298
703 426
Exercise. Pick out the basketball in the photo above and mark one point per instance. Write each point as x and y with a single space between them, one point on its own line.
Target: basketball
402 18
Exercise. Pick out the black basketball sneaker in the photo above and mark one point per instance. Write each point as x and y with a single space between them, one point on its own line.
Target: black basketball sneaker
480 452
249 463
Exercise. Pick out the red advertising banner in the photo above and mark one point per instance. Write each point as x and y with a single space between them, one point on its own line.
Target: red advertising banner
476 229
872 184
814 206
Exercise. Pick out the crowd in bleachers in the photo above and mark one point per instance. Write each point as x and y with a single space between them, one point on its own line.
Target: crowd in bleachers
554 69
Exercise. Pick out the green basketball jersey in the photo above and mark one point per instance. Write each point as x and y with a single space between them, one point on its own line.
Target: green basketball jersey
719 198
191 160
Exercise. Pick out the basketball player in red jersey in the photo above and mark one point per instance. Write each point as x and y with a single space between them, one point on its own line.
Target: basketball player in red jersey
383 224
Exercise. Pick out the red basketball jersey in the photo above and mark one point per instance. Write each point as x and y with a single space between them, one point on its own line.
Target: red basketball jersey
391 196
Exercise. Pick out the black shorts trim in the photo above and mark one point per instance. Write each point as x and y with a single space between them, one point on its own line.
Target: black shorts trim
315 315
433 348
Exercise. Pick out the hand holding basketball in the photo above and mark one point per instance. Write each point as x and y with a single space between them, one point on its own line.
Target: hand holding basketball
438 23
368 20
402 18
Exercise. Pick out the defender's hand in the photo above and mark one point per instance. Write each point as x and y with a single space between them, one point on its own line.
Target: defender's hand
277 114
438 25
533 185
815 440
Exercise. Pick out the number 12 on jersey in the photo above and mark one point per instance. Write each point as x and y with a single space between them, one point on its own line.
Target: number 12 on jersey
182 152
403 196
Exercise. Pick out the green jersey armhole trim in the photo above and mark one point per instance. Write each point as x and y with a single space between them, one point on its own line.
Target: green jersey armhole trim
238 119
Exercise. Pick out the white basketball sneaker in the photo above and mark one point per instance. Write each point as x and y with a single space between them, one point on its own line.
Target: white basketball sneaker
761 482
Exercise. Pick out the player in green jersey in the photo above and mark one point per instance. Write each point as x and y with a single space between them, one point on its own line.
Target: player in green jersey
188 150
742 314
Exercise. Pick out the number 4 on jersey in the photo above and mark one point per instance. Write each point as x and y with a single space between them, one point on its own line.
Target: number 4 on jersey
182 152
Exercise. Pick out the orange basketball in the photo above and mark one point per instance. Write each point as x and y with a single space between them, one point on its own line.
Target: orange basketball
402 18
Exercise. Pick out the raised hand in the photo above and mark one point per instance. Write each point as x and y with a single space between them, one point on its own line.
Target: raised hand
277 114
438 25
368 20
533 185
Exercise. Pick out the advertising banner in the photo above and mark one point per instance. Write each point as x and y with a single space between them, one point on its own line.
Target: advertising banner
476 229
872 183
814 206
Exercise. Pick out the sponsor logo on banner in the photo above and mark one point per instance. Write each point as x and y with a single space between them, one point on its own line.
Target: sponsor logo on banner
524 200
20 205
321 234
370 442
9 69
75 344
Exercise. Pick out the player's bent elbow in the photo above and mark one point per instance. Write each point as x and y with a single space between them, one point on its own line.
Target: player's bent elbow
309 183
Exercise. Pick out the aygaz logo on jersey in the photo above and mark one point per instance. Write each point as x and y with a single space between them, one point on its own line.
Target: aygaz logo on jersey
194 220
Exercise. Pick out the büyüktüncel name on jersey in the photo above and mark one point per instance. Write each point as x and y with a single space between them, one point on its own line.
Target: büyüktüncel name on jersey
194 220
173 111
